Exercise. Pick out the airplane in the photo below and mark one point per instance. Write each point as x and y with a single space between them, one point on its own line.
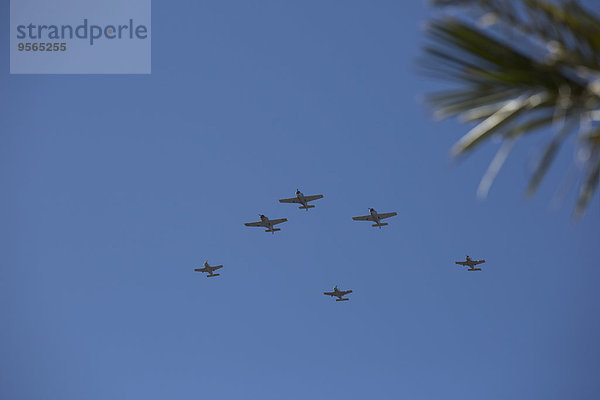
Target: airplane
338 293
302 199
471 264
375 217
267 223
208 268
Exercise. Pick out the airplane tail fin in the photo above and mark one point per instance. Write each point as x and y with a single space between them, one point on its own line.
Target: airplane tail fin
381 224
273 230
474 269
307 207
210 276
342 299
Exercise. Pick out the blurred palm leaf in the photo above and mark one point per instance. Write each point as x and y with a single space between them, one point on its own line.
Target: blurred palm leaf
520 66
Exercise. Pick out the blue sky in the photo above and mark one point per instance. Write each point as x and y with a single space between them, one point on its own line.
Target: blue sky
117 187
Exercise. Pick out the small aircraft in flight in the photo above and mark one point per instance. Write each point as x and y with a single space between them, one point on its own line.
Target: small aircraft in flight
471 264
375 217
209 269
302 199
267 223
338 293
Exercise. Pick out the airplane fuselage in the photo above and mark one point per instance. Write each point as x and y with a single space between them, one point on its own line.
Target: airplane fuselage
340 296
209 269
375 217
338 293
266 222
301 199
469 262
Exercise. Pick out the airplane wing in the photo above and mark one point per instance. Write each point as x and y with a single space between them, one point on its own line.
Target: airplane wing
462 263
201 269
292 200
479 262
216 267
345 292
363 218
329 293
386 215
259 223
311 198
278 221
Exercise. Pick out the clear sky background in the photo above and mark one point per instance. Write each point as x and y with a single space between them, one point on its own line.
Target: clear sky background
114 188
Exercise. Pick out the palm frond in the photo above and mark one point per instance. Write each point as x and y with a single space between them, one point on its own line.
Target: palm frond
534 64
589 185
512 109
547 158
